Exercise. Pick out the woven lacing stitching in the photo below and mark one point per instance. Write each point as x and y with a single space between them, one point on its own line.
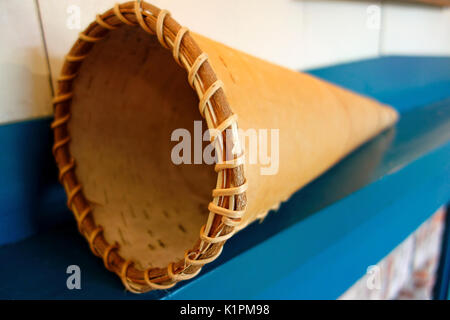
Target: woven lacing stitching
230 217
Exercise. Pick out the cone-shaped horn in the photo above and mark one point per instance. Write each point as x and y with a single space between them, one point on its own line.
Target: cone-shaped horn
318 123
135 95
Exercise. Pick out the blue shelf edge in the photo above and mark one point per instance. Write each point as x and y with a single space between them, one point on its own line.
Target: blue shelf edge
318 260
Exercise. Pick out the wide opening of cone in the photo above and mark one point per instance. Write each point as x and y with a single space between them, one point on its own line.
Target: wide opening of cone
129 97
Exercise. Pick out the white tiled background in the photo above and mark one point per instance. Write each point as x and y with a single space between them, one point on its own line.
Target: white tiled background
36 34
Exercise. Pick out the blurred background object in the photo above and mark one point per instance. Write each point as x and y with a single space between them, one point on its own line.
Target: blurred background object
409 271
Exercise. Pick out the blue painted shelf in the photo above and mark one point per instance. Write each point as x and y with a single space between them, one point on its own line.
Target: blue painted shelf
315 247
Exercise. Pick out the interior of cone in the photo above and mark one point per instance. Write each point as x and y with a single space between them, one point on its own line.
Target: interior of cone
129 97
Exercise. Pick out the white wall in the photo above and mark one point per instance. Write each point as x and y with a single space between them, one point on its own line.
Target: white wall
294 33
422 30
338 31
24 82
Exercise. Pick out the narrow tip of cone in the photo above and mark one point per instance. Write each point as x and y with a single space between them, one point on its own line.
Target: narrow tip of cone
389 115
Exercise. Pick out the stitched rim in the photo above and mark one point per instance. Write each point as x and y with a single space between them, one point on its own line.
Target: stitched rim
229 199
